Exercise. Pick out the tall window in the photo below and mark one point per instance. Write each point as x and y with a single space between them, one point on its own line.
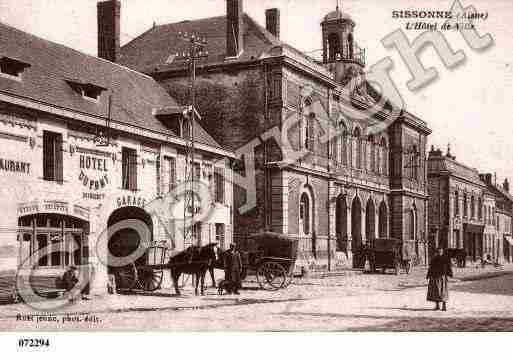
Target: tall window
465 206
333 47
309 135
358 149
220 234
371 153
304 213
197 171
384 158
472 207
343 145
129 168
52 156
219 184
197 233
480 208
170 173
456 203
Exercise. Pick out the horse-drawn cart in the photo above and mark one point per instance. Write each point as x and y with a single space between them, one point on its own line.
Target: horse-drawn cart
390 253
146 273
271 257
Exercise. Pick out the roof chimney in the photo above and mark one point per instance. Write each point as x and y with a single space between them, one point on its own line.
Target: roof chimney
272 21
109 14
234 28
505 185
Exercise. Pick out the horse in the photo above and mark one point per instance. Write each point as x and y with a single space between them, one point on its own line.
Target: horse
194 260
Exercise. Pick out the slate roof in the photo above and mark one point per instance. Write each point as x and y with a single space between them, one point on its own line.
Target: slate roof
438 163
149 52
53 67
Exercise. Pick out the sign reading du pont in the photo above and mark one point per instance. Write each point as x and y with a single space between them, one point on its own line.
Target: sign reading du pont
93 172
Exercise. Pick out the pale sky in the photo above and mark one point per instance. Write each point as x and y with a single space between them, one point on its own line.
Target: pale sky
470 106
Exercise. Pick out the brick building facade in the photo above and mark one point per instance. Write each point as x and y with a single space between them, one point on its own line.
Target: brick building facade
320 172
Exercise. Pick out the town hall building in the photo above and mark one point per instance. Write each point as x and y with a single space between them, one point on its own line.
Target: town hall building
322 173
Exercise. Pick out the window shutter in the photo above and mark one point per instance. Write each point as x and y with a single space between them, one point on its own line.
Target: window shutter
172 173
219 184
58 159
132 170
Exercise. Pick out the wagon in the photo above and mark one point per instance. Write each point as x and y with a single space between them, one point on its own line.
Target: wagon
146 273
271 257
390 253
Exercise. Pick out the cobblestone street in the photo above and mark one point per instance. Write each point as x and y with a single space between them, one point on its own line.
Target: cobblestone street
480 299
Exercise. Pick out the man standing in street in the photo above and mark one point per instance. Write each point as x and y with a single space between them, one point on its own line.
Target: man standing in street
233 267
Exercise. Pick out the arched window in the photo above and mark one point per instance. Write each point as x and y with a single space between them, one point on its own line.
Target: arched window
306 125
358 149
343 147
384 156
333 47
350 45
305 214
413 224
372 154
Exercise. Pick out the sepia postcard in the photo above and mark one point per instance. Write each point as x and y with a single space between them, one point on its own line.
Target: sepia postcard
255 166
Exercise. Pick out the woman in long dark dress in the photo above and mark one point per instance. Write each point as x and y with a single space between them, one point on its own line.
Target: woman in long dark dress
439 271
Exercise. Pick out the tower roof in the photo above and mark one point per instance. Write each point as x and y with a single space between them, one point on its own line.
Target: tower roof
337 15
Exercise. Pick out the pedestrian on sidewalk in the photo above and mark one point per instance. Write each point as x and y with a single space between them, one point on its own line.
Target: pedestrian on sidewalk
233 267
439 271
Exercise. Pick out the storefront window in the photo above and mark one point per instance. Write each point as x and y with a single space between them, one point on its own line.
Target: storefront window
67 237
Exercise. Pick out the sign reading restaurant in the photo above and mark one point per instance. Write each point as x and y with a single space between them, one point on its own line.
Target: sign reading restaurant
14 166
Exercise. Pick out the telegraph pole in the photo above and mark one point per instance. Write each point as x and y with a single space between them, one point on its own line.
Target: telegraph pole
196 51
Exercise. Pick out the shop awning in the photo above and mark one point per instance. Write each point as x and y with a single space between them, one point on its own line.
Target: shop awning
509 239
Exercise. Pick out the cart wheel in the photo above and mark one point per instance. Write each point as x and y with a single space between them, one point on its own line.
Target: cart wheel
150 279
271 276
126 277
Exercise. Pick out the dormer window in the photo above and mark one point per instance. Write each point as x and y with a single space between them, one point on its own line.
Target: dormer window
11 67
91 92
87 90
177 119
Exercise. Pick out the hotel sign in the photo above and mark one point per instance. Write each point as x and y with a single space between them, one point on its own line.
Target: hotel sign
93 175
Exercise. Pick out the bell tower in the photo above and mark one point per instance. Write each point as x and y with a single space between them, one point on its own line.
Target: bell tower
341 54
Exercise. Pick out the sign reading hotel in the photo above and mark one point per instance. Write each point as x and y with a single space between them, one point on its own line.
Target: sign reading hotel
93 176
